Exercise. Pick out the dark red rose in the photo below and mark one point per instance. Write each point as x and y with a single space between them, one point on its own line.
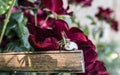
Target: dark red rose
47 39
58 26
43 21
74 34
42 39
45 24
44 34
30 17
115 25
90 55
42 31
95 68
56 6
104 14
81 39
77 34
84 2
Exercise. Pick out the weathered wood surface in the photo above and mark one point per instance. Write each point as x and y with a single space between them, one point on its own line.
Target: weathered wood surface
51 61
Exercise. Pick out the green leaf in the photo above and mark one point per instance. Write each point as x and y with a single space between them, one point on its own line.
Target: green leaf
92 20
4 73
15 47
101 47
17 25
11 29
17 16
86 30
12 46
32 1
4 6
78 24
25 34
95 32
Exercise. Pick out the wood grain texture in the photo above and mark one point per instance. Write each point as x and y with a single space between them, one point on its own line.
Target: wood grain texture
44 61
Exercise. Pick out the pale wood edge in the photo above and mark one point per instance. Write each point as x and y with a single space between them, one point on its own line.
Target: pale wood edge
42 52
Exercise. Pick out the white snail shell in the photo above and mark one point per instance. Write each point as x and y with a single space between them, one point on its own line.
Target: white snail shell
71 46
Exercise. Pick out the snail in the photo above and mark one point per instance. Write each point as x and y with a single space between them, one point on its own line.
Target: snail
71 46
66 44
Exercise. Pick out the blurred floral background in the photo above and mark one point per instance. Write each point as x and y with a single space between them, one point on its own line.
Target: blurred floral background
106 39
98 19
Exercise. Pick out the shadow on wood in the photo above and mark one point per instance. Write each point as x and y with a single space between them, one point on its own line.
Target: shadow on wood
52 61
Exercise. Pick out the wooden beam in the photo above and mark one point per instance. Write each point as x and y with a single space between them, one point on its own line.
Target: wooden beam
44 61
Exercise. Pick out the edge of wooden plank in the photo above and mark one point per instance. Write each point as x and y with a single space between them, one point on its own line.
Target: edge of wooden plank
42 52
